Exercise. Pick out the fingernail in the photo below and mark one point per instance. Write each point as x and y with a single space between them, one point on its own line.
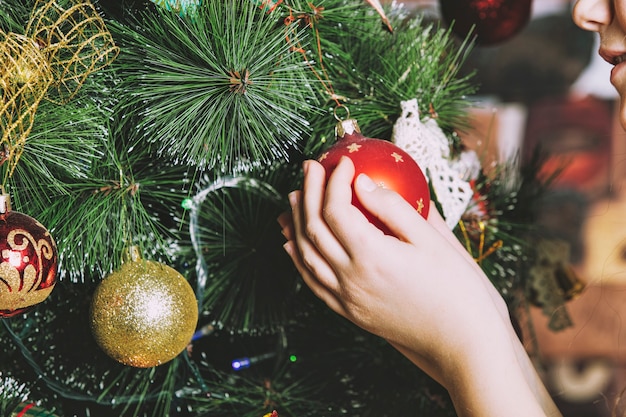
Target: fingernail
344 159
288 247
364 182
292 199
281 220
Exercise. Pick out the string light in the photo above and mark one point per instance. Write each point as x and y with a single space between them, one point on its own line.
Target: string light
247 362
203 331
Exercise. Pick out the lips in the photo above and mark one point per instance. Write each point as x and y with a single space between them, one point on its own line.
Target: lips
613 57
619 59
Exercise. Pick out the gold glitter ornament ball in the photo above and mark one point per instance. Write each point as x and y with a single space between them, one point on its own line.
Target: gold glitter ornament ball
144 314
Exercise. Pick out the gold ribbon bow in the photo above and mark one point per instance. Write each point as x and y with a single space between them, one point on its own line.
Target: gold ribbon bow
60 48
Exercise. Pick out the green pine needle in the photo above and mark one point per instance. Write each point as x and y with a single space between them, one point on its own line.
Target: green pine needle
372 70
248 276
60 149
14 16
216 89
114 215
249 396
12 393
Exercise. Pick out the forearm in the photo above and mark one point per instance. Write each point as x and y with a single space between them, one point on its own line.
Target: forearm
534 380
493 377
496 380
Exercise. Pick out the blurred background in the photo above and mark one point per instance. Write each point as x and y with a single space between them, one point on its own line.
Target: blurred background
546 86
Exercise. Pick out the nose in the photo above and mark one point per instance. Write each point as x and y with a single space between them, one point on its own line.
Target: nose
592 15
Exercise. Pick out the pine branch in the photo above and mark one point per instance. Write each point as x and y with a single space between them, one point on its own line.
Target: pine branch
374 70
60 149
251 396
509 195
113 217
233 225
12 392
14 15
199 99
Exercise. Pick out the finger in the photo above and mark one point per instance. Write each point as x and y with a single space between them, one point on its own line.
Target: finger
321 291
408 225
314 225
309 256
391 209
285 220
339 187
352 229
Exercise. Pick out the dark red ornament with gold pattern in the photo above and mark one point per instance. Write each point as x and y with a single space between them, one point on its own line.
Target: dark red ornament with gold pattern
490 21
28 261
388 165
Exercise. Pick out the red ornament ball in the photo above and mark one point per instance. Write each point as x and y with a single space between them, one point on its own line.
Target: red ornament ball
490 21
386 164
28 261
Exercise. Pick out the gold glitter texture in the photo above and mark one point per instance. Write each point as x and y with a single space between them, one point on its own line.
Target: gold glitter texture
144 314
59 50
75 40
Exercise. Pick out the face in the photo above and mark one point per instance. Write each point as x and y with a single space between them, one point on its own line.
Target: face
608 18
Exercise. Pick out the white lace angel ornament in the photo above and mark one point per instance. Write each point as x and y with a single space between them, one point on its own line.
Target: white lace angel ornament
429 146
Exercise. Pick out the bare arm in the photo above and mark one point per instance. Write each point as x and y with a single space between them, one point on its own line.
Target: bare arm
417 290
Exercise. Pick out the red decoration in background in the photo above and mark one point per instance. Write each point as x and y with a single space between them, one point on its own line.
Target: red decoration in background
385 163
490 21
28 261
575 137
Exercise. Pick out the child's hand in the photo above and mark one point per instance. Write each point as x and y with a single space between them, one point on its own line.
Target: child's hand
415 288
419 289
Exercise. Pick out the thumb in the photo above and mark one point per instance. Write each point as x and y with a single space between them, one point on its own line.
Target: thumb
390 208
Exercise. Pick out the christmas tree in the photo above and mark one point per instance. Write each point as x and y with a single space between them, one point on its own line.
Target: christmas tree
156 142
